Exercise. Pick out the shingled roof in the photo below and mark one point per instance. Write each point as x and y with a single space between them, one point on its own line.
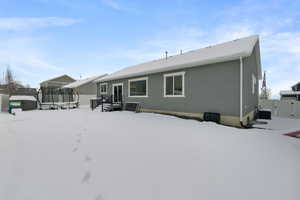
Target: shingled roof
227 51
83 81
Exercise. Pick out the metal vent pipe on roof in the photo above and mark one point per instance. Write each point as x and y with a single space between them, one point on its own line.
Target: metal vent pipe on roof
166 55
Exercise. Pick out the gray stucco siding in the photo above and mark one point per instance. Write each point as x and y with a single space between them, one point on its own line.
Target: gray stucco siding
88 89
208 88
250 100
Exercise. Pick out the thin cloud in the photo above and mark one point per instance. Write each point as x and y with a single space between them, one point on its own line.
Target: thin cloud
30 23
279 49
112 4
26 59
279 43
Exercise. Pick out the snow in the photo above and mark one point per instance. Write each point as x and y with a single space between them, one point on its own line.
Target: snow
289 92
81 82
59 103
57 77
213 54
19 98
281 125
89 155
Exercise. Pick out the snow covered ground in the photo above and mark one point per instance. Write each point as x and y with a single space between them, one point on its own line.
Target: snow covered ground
84 155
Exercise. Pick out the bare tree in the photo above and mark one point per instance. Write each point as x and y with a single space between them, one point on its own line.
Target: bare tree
2 78
10 82
265 92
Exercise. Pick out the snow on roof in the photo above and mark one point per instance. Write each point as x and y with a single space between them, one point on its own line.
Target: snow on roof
57 78
289 92
213 54
296 84
83 81
19 98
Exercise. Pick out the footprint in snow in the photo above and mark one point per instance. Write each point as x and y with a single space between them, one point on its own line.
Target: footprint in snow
87 158
75 149
86 177
99 197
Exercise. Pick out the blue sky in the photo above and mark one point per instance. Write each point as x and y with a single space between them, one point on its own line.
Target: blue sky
40 39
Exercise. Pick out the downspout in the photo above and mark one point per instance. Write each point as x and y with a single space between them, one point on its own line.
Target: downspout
241 91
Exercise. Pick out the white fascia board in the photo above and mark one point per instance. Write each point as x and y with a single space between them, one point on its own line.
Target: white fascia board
182 73
176 67
106 88
138 79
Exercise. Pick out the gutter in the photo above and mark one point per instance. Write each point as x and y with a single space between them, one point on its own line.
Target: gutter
173 67
241 91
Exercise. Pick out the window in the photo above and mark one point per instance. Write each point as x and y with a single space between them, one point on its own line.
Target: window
138 87
174 85
103 88
253 83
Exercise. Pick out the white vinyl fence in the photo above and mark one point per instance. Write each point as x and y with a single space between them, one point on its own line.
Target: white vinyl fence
4 101
285 108
85 99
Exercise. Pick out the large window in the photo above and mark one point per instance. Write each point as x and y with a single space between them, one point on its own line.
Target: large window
103 88
138 87
174 85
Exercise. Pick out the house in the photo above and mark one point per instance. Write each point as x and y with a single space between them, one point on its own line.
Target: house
26 96
19 90
50 89
85 88
221 79
293 94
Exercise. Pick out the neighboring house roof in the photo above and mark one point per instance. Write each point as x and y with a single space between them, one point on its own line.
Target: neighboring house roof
289 92
16 85
2 90
18 91
296 84
213 54
20 98
57 77
81 82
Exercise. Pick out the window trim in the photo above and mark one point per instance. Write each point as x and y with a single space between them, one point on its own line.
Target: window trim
106 88
113 87
183 83
138 79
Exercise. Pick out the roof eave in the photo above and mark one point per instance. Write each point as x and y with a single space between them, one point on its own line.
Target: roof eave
49 80
296 84
178 67
91 81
